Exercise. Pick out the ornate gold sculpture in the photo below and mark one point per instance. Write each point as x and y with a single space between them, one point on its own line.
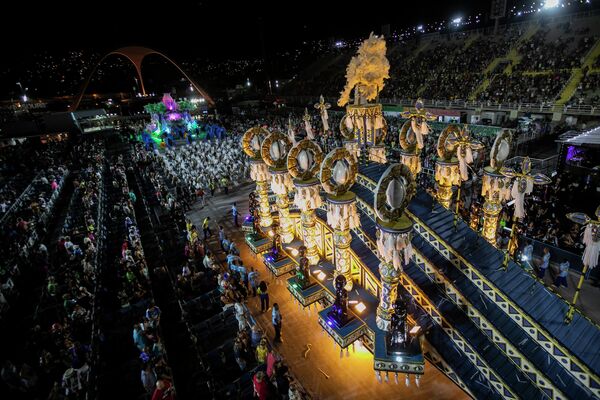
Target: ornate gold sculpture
393 192
303 162
363 126
523 185
338 174
411 136
274 151
251 144
447 173
496 186
323 107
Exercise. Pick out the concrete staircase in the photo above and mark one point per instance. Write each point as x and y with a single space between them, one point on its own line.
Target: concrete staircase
577 75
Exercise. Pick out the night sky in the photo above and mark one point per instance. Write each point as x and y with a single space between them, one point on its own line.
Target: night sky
215 28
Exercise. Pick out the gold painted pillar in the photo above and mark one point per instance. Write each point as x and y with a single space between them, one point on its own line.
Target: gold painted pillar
342 216
307 199
280 184
395 250
447 174
495 189
259 172
338 174
395 189
411 160
389 293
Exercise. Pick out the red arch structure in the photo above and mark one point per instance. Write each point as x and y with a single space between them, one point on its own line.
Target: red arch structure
136 55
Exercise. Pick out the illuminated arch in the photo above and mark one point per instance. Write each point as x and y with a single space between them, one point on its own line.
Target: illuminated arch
136 55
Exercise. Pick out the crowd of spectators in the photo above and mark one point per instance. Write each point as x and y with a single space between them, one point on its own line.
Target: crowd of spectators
56 353
546 219
453 66
521 87
588 90
212 280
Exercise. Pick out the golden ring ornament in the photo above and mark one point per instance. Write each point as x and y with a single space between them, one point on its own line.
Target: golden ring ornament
330 164
445 143
275 145
390 201
293 164
251 141
407 141
407 138
462 141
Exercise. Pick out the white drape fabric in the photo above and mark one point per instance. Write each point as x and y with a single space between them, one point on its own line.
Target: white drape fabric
592 247
519 196
395 248
342 216
307 198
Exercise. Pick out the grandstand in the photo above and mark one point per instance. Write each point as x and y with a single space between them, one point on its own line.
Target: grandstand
544 62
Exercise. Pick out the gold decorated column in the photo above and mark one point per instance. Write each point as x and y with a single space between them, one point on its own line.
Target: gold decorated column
274 151
307 198
390 277
394 231
495 186
338 173
447 172
266 220
303 162
259 172
446 175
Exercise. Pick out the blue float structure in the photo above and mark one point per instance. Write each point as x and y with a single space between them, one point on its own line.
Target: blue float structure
422 283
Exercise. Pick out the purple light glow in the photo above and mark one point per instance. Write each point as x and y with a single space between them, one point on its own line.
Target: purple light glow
169 103
174 116
574 154
329 322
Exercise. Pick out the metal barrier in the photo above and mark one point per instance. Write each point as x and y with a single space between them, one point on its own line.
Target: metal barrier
547 108
545 166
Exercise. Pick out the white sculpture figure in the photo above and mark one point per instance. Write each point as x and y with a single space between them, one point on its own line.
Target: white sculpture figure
291 133
322 107
591 239
309 133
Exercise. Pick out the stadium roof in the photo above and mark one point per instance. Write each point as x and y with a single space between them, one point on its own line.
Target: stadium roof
590 137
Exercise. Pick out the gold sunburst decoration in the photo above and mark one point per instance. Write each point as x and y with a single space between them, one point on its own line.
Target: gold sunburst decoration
462 140
525 175
417 116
